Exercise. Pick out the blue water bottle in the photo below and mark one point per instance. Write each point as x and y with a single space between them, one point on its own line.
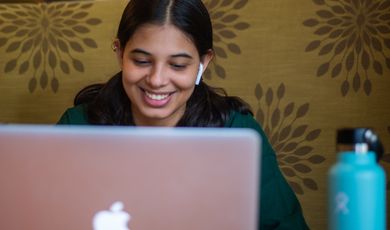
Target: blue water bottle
357 192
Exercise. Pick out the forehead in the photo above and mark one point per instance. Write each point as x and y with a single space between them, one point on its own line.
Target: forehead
161 37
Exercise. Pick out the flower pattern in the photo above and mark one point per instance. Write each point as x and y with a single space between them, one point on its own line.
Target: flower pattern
289 136
354 38
226 24
44 39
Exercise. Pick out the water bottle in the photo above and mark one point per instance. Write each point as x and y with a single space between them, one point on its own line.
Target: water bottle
357 192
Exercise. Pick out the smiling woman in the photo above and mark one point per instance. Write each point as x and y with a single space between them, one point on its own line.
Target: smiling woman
163 48
158 79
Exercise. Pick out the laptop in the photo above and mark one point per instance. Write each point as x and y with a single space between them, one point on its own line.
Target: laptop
120 178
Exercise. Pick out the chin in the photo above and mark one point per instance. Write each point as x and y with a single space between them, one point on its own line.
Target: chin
157 116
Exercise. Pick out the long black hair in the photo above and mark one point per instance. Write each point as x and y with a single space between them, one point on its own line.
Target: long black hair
108 104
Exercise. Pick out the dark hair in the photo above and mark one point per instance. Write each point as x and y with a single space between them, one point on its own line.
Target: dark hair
190 16
108 103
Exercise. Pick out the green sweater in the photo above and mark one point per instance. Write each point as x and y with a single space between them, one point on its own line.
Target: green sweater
279 209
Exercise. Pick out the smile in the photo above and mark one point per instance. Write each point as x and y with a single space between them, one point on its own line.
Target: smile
157 97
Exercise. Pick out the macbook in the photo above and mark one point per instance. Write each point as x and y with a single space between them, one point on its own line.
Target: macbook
119 178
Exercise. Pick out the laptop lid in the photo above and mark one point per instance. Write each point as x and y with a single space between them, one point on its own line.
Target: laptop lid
121 178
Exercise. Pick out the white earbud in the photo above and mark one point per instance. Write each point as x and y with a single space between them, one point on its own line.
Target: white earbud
200 73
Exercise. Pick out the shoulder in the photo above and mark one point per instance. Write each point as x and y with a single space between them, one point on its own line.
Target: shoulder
241 120
246 120
74 116
275 192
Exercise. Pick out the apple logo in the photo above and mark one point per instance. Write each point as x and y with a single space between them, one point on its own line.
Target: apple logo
113 219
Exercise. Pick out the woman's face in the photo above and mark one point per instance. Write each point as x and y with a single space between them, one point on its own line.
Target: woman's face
159 65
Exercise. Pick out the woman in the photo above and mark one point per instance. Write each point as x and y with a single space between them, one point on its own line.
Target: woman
163 47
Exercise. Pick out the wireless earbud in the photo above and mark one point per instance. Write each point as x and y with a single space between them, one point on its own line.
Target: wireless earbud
200 73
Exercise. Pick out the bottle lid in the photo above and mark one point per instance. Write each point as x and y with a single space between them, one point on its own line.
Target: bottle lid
353 136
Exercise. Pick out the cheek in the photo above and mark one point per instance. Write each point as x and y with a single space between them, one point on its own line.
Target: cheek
184 84
186 89
185 81
131 75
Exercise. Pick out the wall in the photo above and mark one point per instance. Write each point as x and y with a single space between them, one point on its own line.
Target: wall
307 68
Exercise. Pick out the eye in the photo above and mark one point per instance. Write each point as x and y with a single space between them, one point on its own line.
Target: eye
178 66
141 62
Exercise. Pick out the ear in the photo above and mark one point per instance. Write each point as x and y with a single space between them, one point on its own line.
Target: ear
204 62
116 47
206 59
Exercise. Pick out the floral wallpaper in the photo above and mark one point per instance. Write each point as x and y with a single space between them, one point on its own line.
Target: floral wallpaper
291 137
290 141
352 36
225 16
306 69
45 40
50 33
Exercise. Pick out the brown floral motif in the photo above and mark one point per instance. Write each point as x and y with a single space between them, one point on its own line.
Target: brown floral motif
44 39
354 37
226 24
289 136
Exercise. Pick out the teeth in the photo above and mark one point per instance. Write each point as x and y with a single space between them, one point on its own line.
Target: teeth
157 97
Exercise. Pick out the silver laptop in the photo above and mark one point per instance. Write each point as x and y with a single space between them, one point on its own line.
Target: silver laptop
120 178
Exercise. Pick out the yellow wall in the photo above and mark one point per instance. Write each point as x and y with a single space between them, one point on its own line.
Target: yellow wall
272 53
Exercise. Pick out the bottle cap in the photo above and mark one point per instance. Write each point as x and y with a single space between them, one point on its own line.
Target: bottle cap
353 136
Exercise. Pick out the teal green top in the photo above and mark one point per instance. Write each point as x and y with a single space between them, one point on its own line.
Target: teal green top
279 209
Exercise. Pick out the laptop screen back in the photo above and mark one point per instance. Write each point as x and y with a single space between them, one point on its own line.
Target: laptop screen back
128 178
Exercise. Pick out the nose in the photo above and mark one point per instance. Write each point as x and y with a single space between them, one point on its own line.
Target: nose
157 77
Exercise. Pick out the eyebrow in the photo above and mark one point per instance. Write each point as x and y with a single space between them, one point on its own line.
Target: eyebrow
141 51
